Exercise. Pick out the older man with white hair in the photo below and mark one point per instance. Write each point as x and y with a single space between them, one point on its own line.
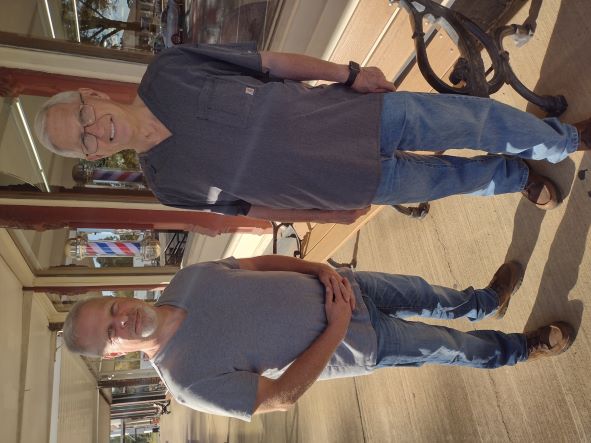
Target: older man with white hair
231 130
239 337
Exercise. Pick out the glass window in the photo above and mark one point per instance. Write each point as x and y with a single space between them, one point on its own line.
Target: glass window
118 27
141 25
26 166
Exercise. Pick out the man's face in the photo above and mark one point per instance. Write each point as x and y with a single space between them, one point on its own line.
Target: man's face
116 325
113 127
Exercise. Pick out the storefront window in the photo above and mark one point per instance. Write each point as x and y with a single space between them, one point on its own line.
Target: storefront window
99 27
145 26
28 167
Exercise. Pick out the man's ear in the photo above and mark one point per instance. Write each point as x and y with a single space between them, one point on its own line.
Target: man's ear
112 355
94 157
92 93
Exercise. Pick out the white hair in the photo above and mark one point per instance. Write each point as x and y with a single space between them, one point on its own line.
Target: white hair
71 337
41 123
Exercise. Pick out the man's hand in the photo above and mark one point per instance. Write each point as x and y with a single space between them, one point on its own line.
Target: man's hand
332 281
338 307
372 79
280 394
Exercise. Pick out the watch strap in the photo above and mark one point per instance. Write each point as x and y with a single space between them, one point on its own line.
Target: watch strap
354 70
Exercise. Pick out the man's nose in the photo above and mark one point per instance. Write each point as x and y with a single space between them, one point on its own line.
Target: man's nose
123 321
98 128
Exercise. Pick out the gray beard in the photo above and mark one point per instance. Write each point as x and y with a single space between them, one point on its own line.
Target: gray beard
149 322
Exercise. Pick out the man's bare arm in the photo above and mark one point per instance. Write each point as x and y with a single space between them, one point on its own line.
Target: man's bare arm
303 215
280 394
302 67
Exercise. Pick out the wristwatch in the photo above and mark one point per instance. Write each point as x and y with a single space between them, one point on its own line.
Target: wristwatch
354 70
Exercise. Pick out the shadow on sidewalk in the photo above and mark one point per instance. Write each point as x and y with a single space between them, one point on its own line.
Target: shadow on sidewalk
566 252
562 72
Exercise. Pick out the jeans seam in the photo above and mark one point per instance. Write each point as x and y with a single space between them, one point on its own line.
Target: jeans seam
525 175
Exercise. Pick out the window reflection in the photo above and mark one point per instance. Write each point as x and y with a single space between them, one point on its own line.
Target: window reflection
142 25
145 26
26 166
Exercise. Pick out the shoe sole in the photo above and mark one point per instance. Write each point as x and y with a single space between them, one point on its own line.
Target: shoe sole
502 310
571 335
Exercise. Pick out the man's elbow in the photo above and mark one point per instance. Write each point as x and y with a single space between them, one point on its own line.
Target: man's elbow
269 61
275 399
274 406
286 404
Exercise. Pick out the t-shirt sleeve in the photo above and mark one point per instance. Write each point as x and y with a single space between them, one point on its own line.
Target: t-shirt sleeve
225 203
239 54
229 262
229 395
226 59
237 207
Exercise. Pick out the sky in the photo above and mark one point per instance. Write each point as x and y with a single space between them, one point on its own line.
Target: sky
121 10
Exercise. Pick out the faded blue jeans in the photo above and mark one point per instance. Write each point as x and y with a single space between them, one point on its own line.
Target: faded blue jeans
434 122
391 298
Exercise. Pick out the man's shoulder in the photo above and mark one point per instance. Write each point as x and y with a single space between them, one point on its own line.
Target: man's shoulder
206 268
226 263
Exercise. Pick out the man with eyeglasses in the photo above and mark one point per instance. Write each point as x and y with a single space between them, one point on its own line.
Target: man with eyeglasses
234 131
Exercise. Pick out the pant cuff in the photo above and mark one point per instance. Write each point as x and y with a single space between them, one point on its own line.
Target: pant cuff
573 137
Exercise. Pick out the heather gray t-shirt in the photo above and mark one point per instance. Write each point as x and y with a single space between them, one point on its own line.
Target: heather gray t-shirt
241 138
242 323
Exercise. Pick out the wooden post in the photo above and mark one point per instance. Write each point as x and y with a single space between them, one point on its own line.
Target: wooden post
114 209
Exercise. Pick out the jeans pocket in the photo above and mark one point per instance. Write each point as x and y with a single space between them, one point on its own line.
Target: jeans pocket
226 101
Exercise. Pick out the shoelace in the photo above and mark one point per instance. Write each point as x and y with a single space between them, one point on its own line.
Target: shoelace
538 343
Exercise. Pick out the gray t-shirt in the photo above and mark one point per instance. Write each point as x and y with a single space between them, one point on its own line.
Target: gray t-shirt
242 138
241 324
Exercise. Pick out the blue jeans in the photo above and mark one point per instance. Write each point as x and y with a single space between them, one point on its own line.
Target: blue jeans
434 122
391 298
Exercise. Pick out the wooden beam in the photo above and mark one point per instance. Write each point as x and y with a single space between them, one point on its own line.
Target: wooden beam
15 82
42 218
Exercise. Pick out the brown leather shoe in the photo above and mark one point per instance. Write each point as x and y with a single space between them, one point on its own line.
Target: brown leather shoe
505 283
549 340
541 191
584 129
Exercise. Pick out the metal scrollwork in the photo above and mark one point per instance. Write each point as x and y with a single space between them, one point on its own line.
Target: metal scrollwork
469 76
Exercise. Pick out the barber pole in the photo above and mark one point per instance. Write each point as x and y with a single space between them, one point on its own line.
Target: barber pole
117 175
88 174
80 248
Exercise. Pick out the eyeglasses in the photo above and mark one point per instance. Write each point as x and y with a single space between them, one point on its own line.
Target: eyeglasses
87 117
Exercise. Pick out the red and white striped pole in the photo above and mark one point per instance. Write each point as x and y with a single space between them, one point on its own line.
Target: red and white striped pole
79 248
87 174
